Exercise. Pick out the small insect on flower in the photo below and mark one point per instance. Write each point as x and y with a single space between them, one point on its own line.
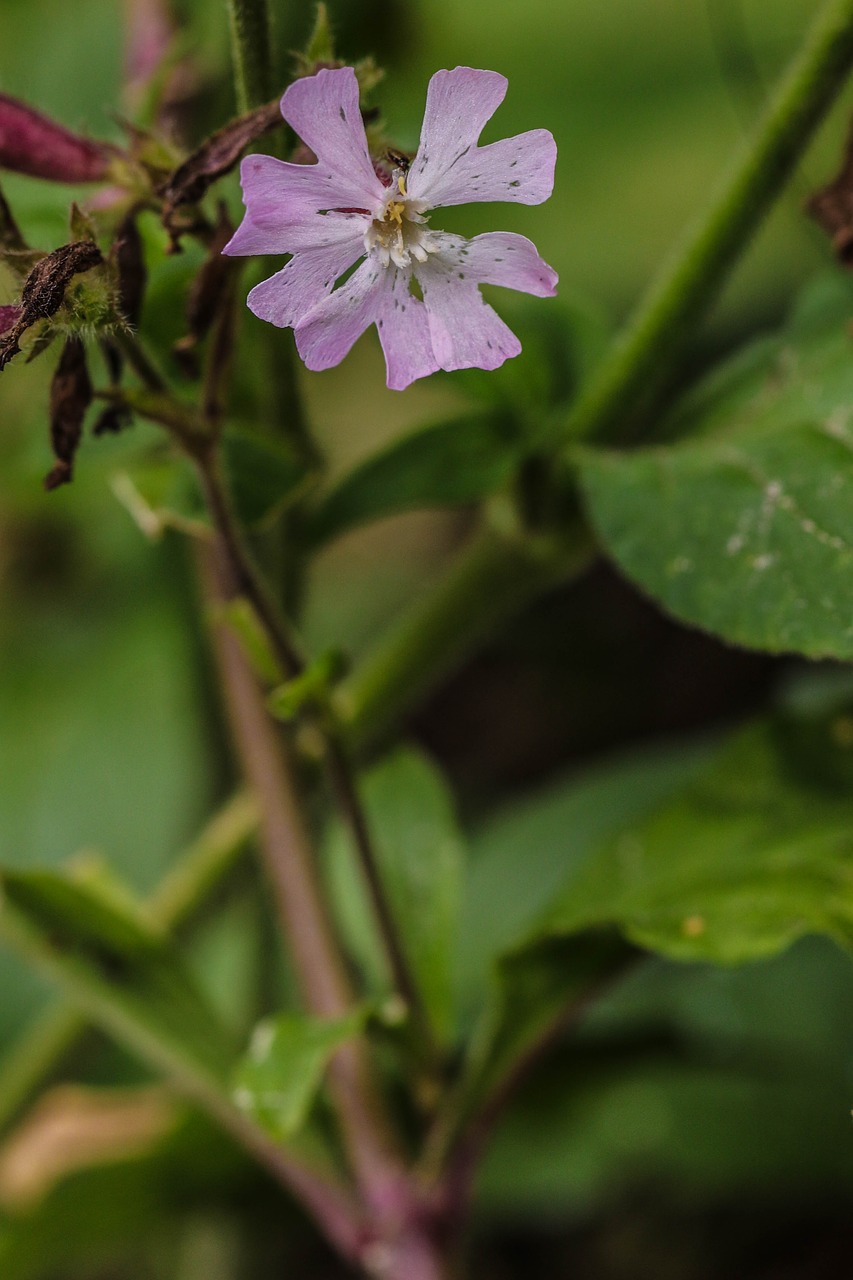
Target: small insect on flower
330 214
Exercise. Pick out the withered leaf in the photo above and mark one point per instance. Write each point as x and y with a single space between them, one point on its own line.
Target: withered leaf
70 397
832 208
208 293
129 258
44 290
112 420
216 156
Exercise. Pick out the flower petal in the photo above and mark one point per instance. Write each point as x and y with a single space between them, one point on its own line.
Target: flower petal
450 168
310 276
519 170
329 330
466 333
404 332
499 257
285 208
324 110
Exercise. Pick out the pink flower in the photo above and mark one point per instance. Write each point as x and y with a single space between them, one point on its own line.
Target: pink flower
330 214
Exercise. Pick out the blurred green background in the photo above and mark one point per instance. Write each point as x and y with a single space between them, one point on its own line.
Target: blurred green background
710 1100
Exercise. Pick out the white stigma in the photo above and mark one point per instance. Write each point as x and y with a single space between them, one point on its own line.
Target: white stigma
398 232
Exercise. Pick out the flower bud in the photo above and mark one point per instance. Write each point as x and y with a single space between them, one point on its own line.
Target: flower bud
31 143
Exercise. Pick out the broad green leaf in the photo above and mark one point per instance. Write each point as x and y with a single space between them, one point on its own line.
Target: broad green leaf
562 341
445 465
745 527
263 475
754 853
750 854
420 854
557 827
126 976
669 1073
278 1080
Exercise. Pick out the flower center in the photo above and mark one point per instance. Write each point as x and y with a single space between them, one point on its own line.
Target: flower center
398 232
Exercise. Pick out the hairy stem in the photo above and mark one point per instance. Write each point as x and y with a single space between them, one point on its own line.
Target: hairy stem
246 581
250 50
645 353
292 872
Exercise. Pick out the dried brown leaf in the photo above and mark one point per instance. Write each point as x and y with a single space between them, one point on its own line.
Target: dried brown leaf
44 290
129 258
70 397
72 1128
216 156
208 293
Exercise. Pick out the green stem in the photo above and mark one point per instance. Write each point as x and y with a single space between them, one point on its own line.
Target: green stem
195 1076
185 892
250 48
681 295
245 580
491 581
36 1056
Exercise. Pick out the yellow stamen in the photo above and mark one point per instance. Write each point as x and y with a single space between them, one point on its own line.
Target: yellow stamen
401 184
394 212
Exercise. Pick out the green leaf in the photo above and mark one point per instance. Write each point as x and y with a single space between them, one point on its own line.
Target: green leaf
750 854
127 977
746 528
668 1074
445 465
278 1080
754 853
557 826
562 341
420 854
263 475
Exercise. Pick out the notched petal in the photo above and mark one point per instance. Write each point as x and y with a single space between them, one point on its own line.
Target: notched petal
288 296
324 110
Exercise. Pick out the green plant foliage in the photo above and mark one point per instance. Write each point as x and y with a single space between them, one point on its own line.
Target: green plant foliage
263 474
558 827
702 1081
445 465
751 855
420 853
277 1081
562 342
744 527
120 970
128 1213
